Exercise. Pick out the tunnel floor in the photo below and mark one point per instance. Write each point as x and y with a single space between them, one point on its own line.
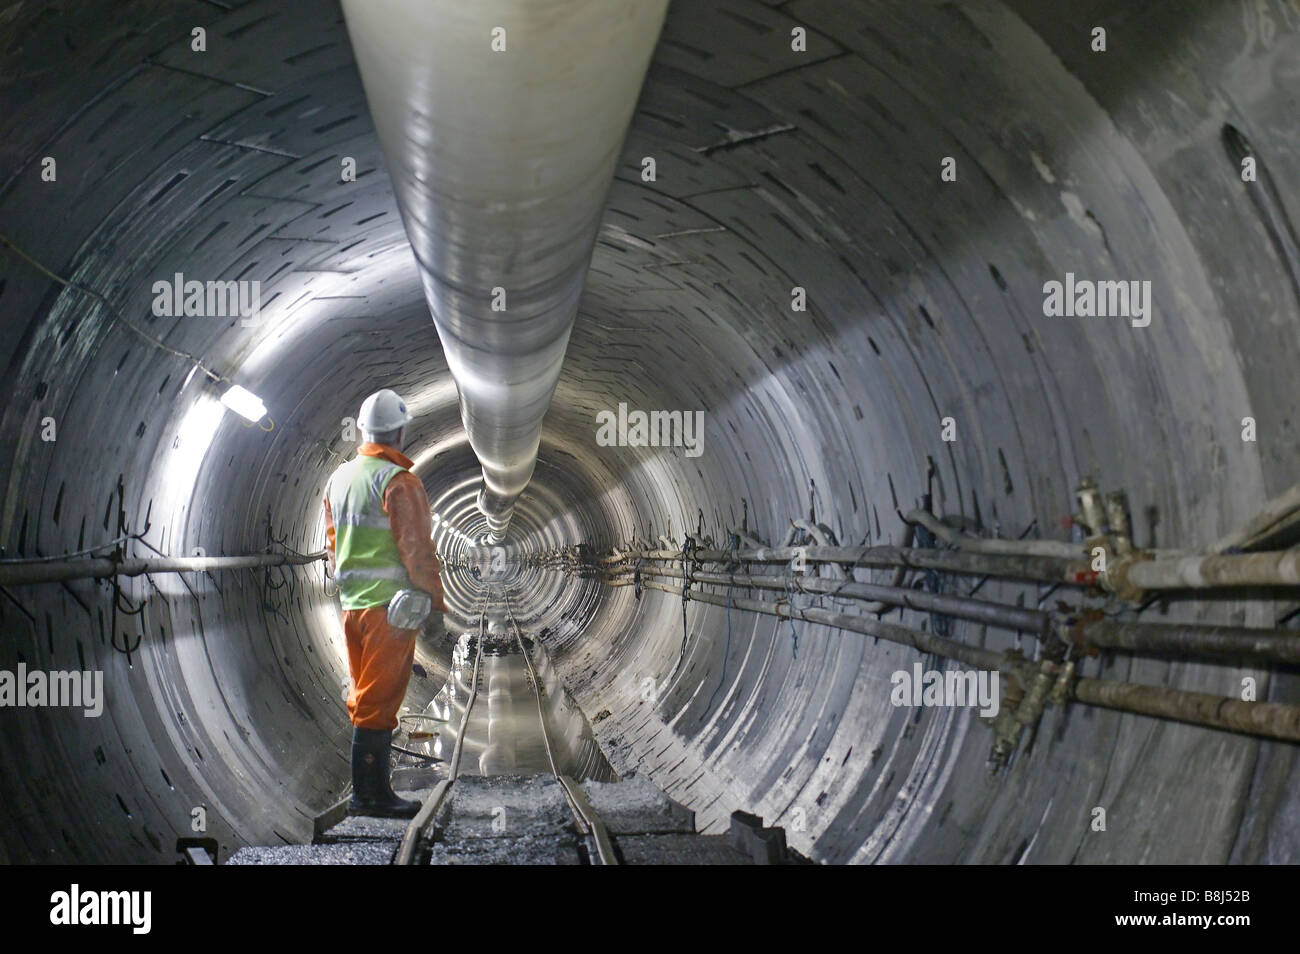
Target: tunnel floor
507 805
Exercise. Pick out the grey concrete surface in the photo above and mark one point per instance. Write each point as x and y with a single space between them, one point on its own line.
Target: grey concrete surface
775 169
635 806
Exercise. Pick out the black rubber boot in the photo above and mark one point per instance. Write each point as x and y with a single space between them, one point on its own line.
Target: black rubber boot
372 792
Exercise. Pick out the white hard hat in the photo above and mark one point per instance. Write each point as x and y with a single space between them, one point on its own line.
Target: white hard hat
382 412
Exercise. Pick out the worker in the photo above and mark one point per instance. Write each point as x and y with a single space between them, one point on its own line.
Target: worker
379 537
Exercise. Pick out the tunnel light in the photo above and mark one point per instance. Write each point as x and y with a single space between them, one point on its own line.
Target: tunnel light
244 403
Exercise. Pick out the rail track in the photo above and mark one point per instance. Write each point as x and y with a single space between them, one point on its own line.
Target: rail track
523 785
585 817
424 830
419 827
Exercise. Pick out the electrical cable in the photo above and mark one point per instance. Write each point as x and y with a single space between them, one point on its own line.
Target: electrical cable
415 755
67 556
112 309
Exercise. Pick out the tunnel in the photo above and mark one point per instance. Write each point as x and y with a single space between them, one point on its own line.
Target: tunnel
826 260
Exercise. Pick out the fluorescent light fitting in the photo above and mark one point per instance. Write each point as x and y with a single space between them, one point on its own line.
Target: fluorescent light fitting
244 403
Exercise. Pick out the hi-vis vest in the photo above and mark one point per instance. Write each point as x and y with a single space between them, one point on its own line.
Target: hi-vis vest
368 567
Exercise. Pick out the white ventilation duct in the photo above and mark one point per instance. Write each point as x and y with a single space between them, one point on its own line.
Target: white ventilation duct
501 122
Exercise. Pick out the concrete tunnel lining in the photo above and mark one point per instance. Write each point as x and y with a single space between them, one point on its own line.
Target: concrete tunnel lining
925 302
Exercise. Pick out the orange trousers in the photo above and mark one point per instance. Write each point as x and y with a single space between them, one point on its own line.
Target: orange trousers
379 660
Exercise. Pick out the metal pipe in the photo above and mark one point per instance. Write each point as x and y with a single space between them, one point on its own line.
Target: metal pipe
1041 568
17 574
823 537
1135 636
1277 645
1269 719
979 611
1273 720
501 122
890 632
900 573
1274 568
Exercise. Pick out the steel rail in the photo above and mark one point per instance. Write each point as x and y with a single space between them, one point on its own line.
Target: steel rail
429 810
583 813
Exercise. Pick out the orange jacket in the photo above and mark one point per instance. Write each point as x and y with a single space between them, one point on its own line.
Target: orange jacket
407 507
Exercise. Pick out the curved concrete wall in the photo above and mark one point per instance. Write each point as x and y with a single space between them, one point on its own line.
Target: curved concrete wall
774 169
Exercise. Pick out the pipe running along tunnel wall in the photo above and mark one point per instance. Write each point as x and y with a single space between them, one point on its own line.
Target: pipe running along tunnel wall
775 169
502 189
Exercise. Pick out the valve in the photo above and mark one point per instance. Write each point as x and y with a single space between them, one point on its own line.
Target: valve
1117 516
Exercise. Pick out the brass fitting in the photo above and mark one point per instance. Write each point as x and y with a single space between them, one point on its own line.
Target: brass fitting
1031 707
1117 516
1006 736
1091 515
1064 683
1115 579
1006 729
1109 527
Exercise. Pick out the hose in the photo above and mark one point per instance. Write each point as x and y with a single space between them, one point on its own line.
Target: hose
962 541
